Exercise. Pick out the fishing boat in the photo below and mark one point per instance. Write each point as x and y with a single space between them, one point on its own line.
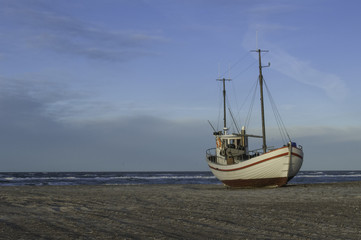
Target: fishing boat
237 166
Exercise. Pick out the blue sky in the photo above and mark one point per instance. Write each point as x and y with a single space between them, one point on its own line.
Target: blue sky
129 85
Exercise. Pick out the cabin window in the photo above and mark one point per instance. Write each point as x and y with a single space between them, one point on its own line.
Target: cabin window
231 143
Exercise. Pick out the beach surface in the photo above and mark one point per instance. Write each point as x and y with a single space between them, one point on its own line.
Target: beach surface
312 211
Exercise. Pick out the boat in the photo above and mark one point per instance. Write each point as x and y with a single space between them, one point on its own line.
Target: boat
237 166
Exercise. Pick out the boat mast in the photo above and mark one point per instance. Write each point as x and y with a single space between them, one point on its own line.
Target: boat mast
224 104
261 93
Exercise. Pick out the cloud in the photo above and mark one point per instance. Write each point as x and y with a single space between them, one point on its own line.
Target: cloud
330 135
50 99
270 9
140 143
282 61
329 148
302 72
37 138
39 26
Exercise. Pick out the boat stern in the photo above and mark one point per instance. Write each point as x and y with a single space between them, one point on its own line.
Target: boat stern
296 161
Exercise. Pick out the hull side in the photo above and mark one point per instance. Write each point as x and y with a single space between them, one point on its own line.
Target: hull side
296 161
273 168
260 182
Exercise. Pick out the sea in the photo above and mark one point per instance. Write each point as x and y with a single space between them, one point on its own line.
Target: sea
142 178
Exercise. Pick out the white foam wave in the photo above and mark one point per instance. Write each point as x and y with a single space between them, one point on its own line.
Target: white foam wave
330 176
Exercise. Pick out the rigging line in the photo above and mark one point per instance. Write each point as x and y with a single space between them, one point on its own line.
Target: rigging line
249 114
274 109
249 66
248 118
276 112
277 116
237 62
229 108
234 121
254 86
235 95
246 69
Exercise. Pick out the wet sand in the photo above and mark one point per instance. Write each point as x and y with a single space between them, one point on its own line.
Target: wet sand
315 211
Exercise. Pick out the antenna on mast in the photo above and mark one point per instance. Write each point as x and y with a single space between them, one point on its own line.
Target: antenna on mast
219 69
257 39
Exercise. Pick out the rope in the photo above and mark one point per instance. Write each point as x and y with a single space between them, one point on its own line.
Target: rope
231 126
281 126
245 70
248 118
235 64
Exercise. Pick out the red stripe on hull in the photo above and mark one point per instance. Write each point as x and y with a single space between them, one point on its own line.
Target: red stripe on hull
295 154
250 165
250 183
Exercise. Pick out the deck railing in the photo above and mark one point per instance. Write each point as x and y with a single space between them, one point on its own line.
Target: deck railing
211 154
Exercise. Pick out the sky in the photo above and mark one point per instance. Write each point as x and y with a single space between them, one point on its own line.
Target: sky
129 85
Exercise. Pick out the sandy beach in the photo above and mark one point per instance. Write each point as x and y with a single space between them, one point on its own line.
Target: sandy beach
314 211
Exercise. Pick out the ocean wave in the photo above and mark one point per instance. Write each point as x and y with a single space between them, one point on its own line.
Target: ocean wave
138 178
330 176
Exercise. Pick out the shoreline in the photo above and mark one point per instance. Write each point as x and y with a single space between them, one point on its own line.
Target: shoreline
190 211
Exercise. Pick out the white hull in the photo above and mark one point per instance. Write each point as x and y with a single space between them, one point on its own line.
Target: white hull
274 168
